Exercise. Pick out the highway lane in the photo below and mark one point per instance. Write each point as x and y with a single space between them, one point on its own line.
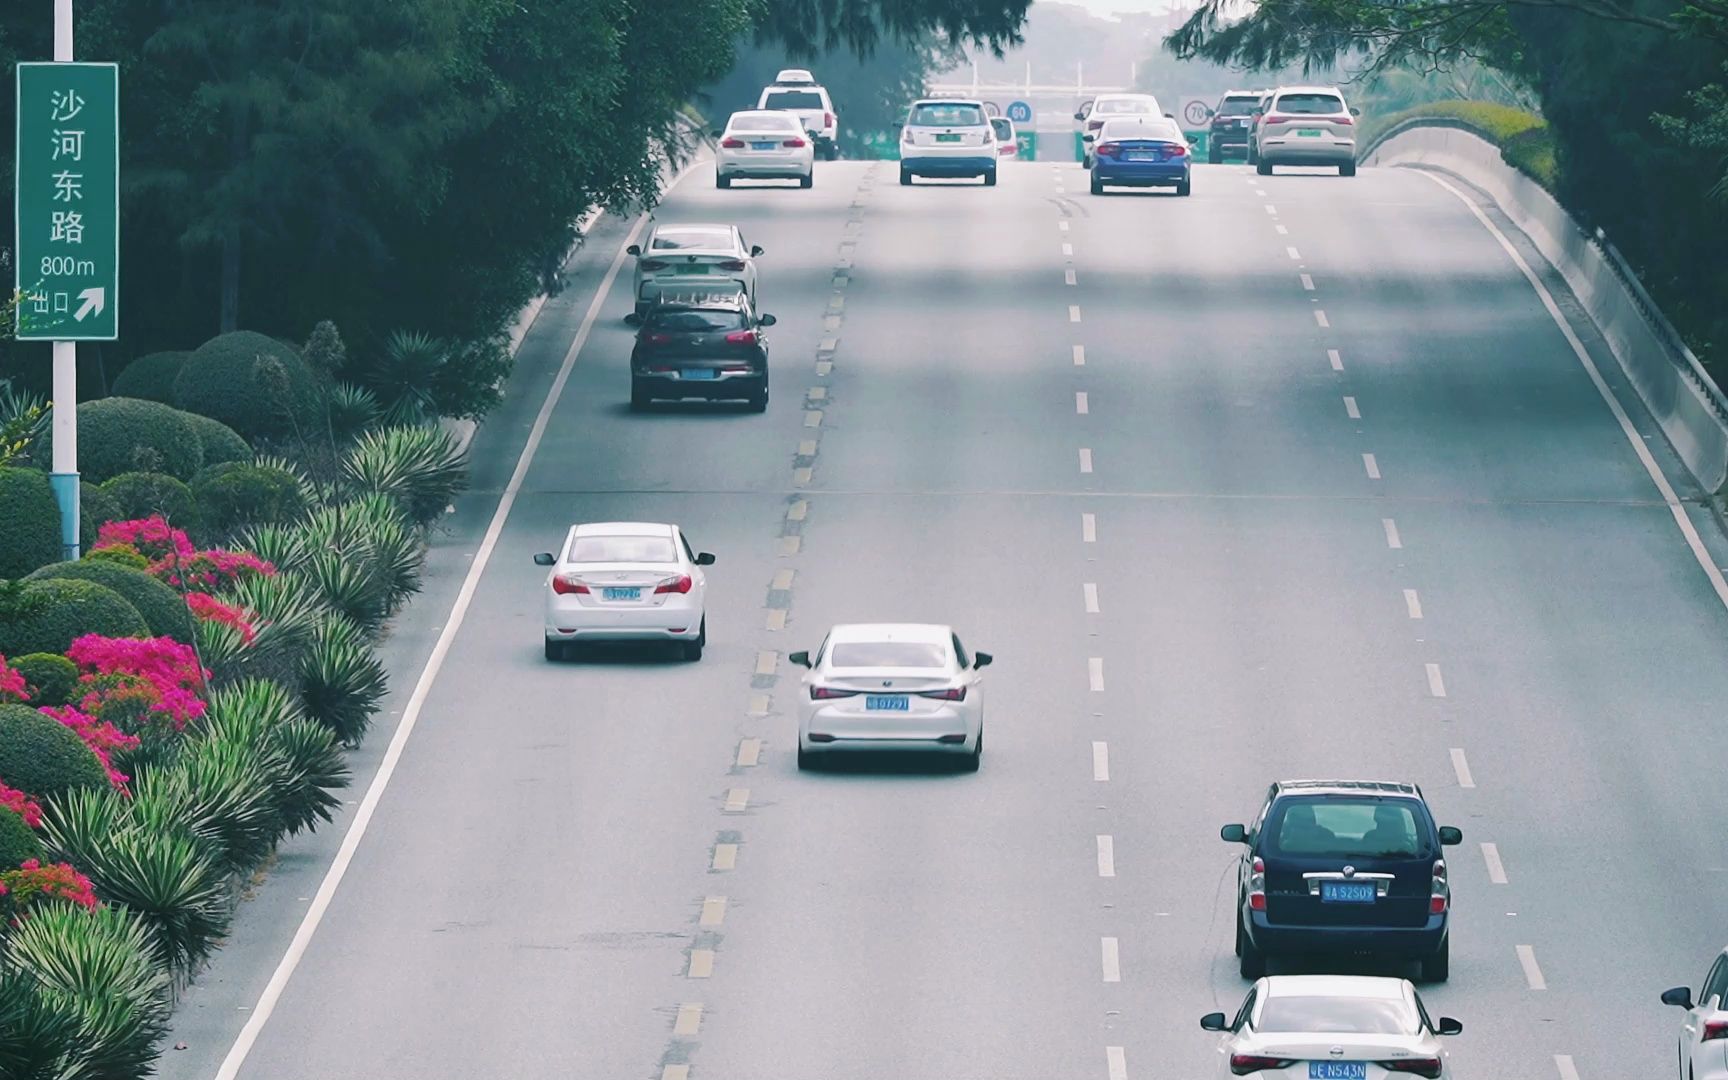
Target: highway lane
563 842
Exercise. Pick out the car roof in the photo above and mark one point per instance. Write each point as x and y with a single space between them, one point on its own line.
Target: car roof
1246 93
929 633
1309 90
1396 788
695 226
947 101
622 528
759 114
793 76
1377 987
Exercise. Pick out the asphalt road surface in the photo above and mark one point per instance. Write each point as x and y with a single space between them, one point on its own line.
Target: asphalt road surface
1294 477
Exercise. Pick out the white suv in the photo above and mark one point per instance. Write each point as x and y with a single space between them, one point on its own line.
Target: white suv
795 90
1305 125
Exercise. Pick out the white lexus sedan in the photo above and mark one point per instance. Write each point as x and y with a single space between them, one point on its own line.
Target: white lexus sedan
891 686
686 252
625 581
1331 1027
764 144
1704 1031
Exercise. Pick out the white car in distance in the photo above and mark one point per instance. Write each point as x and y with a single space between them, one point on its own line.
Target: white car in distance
764 145
1331 1027
676 253
891 687
1703 1051
796 91
625 581
1106 107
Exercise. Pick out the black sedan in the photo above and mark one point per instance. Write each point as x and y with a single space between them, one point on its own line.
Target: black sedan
701 344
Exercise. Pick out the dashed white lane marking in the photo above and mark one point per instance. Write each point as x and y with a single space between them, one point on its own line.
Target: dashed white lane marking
1079 356
1106 857
1282 231
765 662
701 964
1462 767
1320 317
737 800
1095 673
675 1072
1089 528
1260 193
1063 225
1090 592
1532 973
1350 408
1073 312
1568 1071
1372 466
1068 277
689 1020
1293 253
1081 404
1100 761
1308 282
1068 249
1413 603
725 857
1675 508
1270 209
1436 685
1111 956
1496 868
1336 358
1117 1063
749 752
1085 460
713 911
1393 540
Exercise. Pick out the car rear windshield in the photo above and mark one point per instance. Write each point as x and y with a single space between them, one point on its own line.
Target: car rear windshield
696 322
1140 129
1350 828
1310 104
943 114
765 121
1337 1016
682 239
606 549
1238 106
793 99
911 654
1004 130
1129 107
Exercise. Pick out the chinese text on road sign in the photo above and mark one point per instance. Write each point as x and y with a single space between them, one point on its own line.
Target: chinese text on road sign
67 203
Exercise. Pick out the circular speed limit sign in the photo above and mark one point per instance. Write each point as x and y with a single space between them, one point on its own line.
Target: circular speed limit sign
1195 113
992 109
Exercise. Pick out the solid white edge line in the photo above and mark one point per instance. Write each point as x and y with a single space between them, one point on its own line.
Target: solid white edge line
1568 1071
1101 761
1496 868
1675 507
1110 957
1532 973
1461 766
272 993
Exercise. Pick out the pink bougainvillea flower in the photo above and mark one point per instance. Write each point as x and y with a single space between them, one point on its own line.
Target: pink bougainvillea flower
152 536
212 569
32 880
13 688
161 667
206 606
21 804
101 737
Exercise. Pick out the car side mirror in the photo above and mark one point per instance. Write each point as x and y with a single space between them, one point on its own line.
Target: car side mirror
1233 834
1169 116
767 320
633 319
1680 997
1450 835
1214 1022
1355 112
755 250
801 658
1079 116
705 558
544 558
633 249
1448 1026
982 660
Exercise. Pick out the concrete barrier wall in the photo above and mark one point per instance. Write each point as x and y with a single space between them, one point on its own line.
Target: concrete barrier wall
1691 409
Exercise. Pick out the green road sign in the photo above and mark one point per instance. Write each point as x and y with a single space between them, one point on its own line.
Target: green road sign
67 204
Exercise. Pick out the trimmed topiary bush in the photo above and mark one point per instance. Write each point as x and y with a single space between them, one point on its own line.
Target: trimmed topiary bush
229 379
236 494
52 679
151 377
163 609
29 522
151 494
120 555
17 841
70 609
96 508
118 435
220 442
40 756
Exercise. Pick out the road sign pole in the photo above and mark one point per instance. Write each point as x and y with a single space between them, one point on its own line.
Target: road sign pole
64 478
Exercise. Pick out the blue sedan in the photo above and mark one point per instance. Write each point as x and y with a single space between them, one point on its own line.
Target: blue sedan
1141 152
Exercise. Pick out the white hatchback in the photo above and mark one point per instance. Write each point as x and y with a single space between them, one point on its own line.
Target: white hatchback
948 138
675 254
1340 1027
1704 1032
626 581
764 145
891 686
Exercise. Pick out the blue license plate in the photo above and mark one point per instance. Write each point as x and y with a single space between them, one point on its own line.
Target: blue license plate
1347 892
699 373
632 593
761 146
887 703
1337 1070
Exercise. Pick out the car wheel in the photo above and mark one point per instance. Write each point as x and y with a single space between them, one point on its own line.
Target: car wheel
807 180
722 181
806 760
1347 169
639 397
1251 154
1238 937
990 178
1253 962
693 649
759 399
905 178
1183 188
831 154
1436 968
1263 167
1097 185
554 649
1214 155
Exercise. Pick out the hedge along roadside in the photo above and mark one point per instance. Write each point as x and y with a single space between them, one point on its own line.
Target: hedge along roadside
1685 401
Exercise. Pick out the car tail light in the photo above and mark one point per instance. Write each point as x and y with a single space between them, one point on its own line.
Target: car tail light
1094 125
956 694
741 337
1425 1066
1243 1064
828 693
658 339
1440 891
732 144
652 264
827 119
731 264
1176 150
679 584
793 142
1715 1029
1109 149
1343 119
1274 118
906 135
564 584
1257 890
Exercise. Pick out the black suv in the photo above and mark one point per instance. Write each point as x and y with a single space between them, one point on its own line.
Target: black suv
1343 866
700 342
1230 123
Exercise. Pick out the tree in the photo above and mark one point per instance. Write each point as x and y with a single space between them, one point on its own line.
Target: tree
812 28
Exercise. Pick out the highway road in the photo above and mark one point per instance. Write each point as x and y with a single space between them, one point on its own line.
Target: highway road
1294 477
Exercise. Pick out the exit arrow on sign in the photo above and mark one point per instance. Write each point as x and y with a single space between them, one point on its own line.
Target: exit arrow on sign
94 301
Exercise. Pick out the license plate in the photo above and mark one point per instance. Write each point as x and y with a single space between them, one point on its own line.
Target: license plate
698 374
634 592
1309 133
886 703
1337 1070
947 138
691 268
1347 892
1142 155
761 146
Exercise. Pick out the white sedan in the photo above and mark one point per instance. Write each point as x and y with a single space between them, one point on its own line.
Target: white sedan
683 254
764 144
891 686
626 581
1704 1032
1331 1027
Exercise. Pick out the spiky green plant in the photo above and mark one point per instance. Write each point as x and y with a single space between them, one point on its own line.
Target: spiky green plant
419 467
342 680
284 546
309 493
353 410
77 826
348 587
172 883
315 770
287 609
391 544
37 1037
223 649
406 376
222 789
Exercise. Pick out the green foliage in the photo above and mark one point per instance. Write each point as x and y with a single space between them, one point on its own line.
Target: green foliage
324 352
1703 127
147 494
151 378
23 418
37 1039
303 758
420 469
221 443
222 788
341 679
287 611
17 840
29 522
418 378
363 558
1523 137
120 435
353 409
163 609
96 508
809 27
68 610
235 494
52 679
120 555
43 757
254 384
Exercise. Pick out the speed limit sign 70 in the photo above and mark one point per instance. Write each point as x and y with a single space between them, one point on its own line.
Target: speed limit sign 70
1195 113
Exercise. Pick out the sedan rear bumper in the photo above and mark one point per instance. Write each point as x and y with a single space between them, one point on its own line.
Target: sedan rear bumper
819 742
665 623
1149 173
973 163
1410 942
770 169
